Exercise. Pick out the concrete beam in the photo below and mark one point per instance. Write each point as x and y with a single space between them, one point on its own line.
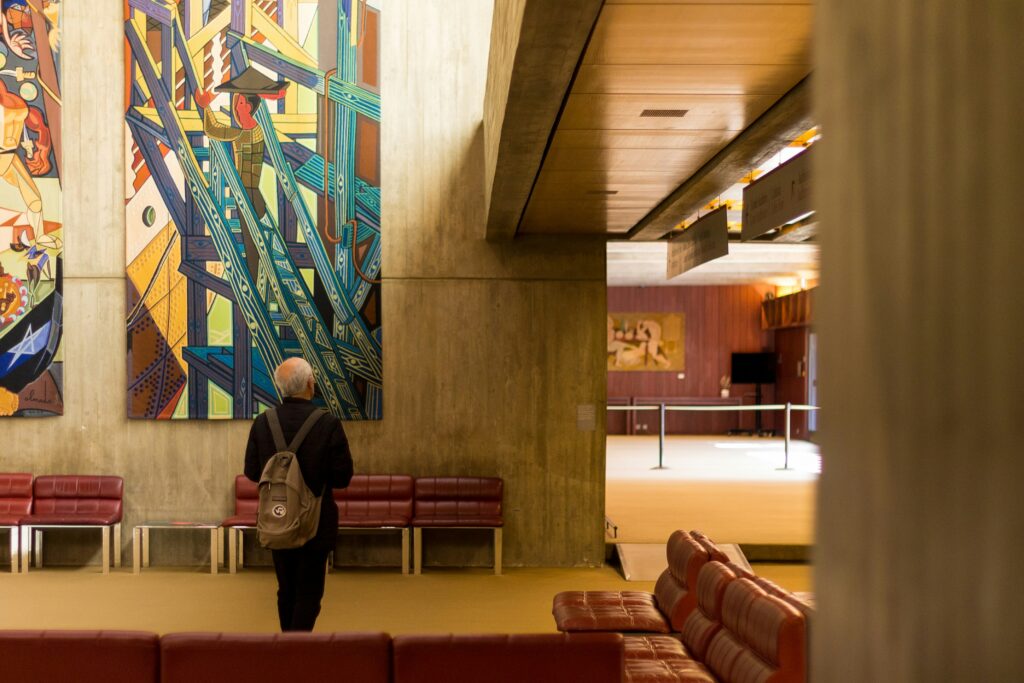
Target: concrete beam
535 47
773 130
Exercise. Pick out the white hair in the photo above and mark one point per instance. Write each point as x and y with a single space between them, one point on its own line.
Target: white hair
293 376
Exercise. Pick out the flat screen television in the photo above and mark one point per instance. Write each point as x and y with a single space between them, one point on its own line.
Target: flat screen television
753 368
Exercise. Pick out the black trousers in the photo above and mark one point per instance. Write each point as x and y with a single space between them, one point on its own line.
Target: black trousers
300 585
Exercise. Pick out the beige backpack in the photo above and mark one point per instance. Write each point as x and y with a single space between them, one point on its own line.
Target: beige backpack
288 512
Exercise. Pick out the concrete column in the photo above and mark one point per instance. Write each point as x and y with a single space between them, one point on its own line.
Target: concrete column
921 508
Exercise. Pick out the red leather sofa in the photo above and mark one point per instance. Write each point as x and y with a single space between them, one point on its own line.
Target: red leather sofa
663 611
74 501
15 503
80 656
247 502
737 633
191 657
378 501
458 503
537 658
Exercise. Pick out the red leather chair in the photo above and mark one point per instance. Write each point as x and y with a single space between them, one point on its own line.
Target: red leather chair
15 503
247 502
228 657
80 656
537 658
74 502
458 503
663 611
377 501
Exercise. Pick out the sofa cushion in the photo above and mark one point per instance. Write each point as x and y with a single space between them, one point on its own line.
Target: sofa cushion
458 501
674 589
375 500
15 496
240 520
190 657
537 658
575 598
763 637
247 496
80 656
655 647
76 499
75 518
706 620
11 520
78 486
371 521
579 614
678 670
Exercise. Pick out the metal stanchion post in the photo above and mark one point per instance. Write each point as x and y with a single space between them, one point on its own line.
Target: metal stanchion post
789 409
661 438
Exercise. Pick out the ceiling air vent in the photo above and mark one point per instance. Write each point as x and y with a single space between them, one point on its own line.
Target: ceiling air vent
602 192
663 113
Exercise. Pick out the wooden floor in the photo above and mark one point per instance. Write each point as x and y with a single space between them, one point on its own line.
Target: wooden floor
449 601
728 487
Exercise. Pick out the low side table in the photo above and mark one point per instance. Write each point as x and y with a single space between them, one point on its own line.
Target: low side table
140 541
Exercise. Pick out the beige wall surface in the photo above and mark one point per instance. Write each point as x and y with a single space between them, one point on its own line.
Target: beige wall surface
488 348
921 512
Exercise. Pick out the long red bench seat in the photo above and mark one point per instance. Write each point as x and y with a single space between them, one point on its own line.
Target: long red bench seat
190 657
80 656
458 503
15 503
74 501
663 611
537 658
737 633
378 501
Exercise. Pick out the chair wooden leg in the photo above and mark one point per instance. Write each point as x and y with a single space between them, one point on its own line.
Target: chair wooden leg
136 550
220 546
15 549
232 550
405 551
241 548
37 547
497 551
117 545
105 531
26 536
145 547
417 550
214 559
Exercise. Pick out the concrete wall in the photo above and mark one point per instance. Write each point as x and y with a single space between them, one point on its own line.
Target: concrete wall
920 508
488 348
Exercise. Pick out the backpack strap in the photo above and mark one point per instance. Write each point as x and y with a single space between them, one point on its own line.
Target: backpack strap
305 429
275 430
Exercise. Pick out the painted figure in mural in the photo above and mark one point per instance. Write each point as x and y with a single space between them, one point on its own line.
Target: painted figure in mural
17 116
16 28
247 141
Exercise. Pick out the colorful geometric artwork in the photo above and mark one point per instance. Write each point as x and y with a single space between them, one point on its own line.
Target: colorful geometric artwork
646 341
31 226
253 204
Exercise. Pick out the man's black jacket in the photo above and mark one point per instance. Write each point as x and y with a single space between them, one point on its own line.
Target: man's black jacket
324 458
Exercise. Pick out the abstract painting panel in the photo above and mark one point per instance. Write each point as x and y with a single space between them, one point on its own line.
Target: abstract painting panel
646 341
253 204
31 226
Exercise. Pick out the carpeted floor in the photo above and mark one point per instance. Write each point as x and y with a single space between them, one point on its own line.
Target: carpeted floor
449 601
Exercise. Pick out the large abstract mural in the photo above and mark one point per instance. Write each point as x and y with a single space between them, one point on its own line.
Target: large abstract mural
31 227
253 204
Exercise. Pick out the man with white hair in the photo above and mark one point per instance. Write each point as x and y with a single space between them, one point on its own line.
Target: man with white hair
325 463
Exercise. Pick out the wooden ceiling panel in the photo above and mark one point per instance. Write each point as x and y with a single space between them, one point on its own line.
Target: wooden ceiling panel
702 34
708 79
578 218
681 161
703 112
641 139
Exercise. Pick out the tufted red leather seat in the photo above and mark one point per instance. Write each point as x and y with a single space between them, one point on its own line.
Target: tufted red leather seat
763 638
663 611
15 503
71 500
375 500
247 502
189 657
538 658
458 503
80 656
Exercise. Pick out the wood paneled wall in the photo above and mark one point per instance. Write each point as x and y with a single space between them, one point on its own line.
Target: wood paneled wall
719 321
920 512
485 363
